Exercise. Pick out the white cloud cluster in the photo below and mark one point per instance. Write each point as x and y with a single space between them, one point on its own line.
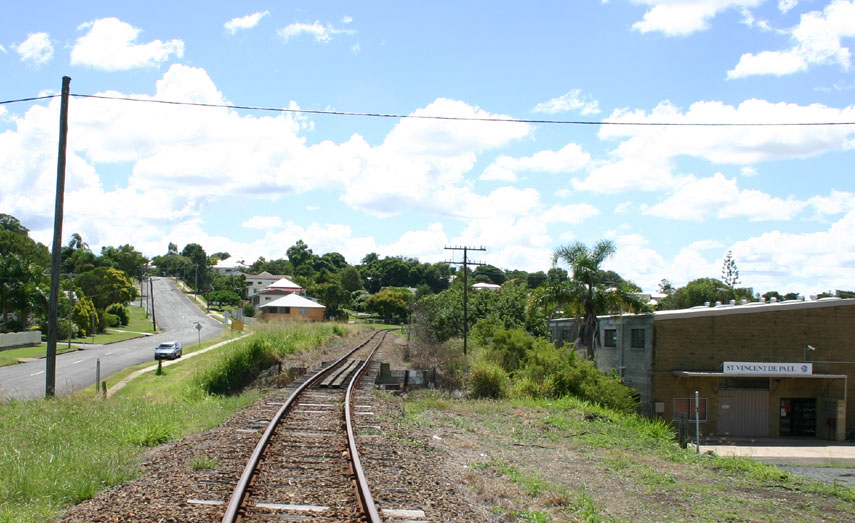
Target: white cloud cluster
574 100
321 33
568 159
720 197
683 17
816 41
244 22
644 159
36 49
110 44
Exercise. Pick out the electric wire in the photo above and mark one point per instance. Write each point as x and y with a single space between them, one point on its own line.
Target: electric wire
33 99
439 117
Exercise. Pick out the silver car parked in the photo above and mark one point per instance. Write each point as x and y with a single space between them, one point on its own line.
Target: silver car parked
168 350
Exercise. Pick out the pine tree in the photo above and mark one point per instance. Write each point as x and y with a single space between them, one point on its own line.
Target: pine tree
729 272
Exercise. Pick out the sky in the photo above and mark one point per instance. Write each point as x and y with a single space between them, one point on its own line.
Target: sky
673 199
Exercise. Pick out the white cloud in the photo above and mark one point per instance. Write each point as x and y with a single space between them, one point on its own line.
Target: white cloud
806 262
570 214
683 17
321 33
644 159
837 202
36 49
786 5
721 197
574 100
749 171
778 63
110 45
2 49
244 22
816 41
701 245
569 159
263 222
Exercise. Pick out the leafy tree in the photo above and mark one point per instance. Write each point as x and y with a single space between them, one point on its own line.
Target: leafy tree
370 258
83 315
197 273
390 303
589 291
334 297
105 286
350 279
696 292
23 263
489 274
223 297
534 279
556 274
126 259
665 287
300 254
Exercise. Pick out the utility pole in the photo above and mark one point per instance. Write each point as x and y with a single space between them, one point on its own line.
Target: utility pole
466 263
70 305
151 297
50 356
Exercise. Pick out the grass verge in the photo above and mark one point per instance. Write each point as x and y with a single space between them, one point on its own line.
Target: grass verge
54 453
570 460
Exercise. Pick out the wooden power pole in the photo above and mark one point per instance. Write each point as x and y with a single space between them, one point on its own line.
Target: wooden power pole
465 264
55 259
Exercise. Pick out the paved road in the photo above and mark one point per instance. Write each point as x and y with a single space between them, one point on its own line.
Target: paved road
76 370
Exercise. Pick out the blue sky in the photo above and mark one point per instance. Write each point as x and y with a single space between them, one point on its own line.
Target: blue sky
673 199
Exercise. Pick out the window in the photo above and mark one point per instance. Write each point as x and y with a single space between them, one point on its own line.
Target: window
610 338
636 340
686 407
304 311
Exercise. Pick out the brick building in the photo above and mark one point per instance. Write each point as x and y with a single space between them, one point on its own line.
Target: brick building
760 369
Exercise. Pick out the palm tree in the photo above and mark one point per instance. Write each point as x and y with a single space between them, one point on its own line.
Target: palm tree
589 290
76 243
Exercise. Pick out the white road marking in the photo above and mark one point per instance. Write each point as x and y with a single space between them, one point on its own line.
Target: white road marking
39 372
76 362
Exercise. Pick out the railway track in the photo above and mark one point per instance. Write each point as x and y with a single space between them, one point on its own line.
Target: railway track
306 464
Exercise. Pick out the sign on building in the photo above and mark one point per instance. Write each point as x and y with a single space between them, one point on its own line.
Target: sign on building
754 368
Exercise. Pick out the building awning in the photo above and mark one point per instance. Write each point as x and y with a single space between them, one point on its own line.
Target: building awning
702 374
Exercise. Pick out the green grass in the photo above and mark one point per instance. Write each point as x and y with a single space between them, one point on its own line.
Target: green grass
55 453
628 455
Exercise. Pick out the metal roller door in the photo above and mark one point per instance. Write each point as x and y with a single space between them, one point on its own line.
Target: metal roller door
743 412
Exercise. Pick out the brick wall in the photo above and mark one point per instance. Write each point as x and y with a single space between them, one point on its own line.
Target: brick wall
701 341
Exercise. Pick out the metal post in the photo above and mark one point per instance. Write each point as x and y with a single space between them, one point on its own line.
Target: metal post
97 375
50 356
697 424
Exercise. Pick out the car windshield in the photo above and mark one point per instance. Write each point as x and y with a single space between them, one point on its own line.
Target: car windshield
166 346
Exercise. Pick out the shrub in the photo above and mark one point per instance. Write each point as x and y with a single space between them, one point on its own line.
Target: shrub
487 380
248 310
120 311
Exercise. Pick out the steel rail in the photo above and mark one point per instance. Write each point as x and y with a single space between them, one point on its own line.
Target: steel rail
239 492
363 491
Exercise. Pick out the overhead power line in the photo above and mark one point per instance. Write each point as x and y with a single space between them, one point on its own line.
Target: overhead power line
438 117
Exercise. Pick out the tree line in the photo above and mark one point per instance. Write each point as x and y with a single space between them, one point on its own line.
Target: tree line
94 289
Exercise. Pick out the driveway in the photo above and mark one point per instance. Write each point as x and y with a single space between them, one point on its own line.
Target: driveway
830 461
176 317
